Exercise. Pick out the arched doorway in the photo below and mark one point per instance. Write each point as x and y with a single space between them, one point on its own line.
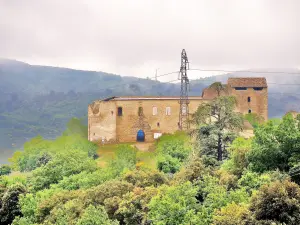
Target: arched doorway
140 136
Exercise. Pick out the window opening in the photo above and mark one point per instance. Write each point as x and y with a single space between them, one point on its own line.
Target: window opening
120 111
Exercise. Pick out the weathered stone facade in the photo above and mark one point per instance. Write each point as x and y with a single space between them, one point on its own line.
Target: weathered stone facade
118 119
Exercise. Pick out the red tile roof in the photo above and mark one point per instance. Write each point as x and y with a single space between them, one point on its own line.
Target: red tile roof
247 82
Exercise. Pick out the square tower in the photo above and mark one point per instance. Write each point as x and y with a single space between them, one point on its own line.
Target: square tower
251 94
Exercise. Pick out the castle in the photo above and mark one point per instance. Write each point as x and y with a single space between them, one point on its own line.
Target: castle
141 118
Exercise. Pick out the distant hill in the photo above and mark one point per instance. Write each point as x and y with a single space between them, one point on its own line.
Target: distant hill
41 99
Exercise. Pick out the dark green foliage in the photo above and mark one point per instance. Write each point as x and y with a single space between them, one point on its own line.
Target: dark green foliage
9 204
168 164
194 170
277 202
216 125
134 206
142 178
5 169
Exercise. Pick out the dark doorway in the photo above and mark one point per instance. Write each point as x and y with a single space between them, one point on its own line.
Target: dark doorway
140 136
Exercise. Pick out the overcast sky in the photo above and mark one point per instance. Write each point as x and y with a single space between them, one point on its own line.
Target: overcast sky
134 37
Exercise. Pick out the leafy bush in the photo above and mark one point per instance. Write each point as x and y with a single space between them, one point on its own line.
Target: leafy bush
237 161
278 202
173 204
5 169
63 164
231 214
172 151
275 146
95 216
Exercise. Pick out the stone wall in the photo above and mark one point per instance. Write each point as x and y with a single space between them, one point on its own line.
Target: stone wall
105 123
130 122
102 121
258 101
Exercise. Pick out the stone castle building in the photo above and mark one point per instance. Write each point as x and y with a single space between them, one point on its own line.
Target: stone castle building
145 118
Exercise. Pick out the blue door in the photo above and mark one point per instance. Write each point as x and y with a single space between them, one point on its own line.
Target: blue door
140 136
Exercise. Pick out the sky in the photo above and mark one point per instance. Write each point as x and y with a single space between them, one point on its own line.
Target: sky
135 37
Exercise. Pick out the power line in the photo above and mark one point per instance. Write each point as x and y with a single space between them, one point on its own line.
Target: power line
246 71
211 79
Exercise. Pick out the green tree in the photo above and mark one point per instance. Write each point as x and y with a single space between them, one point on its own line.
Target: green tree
275 146
95 216
216 123
238 151
5 169
63 164
278 202
172 151
231 214
9 203
134 205
219 88
193 170
145 178
173 205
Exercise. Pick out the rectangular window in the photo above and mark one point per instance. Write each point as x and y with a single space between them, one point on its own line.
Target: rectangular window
168 111
240 88
120 111
257 88
249 111
154 110
249 99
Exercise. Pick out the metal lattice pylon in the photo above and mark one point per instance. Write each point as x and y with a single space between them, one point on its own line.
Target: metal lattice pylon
184 96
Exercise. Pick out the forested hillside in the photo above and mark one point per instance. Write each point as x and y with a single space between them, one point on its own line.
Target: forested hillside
210 175
39 100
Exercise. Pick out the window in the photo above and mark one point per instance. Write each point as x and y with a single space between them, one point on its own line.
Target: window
154 110
168 111
158 124
249 99
240 88
120 111
257 88
140 112
249 110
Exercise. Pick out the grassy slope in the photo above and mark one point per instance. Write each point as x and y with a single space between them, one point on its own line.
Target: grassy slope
107 152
